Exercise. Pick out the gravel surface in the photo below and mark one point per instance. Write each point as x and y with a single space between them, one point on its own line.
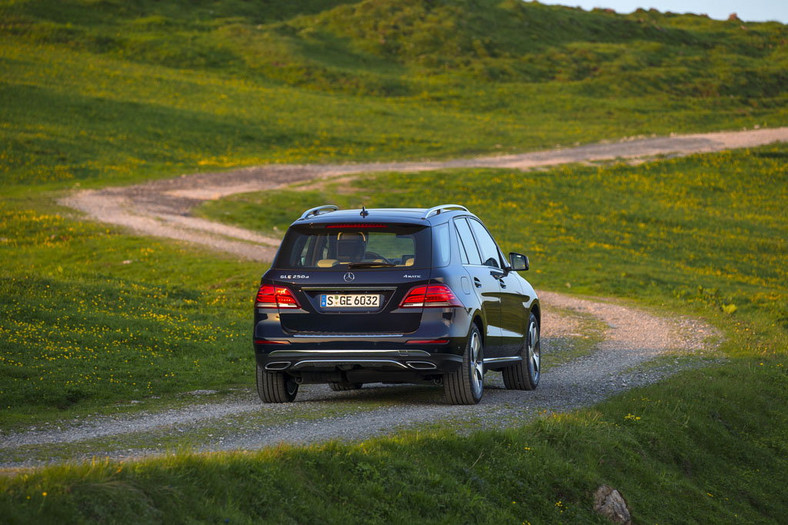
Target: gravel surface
630 338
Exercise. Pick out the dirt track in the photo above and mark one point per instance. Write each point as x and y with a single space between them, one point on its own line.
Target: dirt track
161 208
630 337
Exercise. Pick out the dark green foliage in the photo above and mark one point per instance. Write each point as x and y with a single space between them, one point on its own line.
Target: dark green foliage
361 46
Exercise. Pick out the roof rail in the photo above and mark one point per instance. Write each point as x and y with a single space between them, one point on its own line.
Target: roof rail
435 210
319 210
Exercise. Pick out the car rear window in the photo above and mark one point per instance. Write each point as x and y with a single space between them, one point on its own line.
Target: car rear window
373 245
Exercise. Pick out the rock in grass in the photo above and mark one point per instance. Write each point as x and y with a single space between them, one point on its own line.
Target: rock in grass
611 504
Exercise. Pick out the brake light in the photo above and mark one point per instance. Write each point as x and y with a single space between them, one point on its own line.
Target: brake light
358 225
430 296
275 297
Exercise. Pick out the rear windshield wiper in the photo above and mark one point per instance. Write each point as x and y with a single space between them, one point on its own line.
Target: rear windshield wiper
371 265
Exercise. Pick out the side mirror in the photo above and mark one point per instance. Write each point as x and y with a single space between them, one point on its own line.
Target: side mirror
519 262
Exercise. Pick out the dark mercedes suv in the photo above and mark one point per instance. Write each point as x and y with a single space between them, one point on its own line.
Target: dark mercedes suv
394 296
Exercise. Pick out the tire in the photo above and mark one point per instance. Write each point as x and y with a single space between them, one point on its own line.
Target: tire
275 387
465 385
525 374
342 387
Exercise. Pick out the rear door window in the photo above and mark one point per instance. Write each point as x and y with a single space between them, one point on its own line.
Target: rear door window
468 250
487 246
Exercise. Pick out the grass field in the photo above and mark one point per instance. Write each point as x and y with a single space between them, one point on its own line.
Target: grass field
112 91
99 93
681 438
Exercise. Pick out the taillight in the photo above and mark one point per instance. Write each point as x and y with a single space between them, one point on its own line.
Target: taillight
430 296
275 297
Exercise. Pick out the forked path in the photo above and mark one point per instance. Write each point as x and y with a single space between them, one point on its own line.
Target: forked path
629 337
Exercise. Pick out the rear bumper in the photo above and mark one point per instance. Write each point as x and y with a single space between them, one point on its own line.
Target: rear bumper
321 360
361 366
434 349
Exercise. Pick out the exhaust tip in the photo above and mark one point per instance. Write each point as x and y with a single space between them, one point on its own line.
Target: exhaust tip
422 365
278 366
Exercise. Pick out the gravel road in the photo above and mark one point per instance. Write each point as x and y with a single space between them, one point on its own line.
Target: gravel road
161 208
630 339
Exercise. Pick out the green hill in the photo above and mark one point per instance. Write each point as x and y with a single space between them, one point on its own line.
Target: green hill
163 87
395 45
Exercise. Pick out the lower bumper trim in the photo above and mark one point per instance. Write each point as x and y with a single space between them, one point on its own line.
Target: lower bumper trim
331 363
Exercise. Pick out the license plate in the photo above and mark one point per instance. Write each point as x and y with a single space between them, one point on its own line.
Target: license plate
349 301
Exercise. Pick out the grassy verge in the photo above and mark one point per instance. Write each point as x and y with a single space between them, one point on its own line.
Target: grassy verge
92 317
